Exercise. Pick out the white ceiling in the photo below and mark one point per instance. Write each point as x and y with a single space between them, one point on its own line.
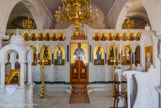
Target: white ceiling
104 5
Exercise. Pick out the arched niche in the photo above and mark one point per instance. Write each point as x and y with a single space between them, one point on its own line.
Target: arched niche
138 36
96 37
54 37
25 8
137 55
136 9
131 37
124 37
110 37
33 37
35 56
40 37
103 37
61 37
59 55
111 53
47 36
99 55
126 55
45 52
26 37
117 37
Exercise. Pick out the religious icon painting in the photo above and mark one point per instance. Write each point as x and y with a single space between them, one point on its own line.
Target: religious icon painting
14 77
110 37
79 51
112 52
124 37
96 37
99 55
61 37
46 54
79 36
117 37
131 37
33 36
26 37
54 37
148 57
103 37
47 37
40 37
59 55
126 55
138 36
35 56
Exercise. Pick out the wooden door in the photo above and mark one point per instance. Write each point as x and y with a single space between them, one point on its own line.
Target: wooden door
79 73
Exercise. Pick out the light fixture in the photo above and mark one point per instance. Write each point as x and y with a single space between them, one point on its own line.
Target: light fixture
78 12
128 24
28 23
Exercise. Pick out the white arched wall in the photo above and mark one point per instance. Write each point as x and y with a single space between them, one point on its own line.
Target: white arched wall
37 10
152 8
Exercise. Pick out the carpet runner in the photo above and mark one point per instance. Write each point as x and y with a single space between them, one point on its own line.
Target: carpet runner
79 94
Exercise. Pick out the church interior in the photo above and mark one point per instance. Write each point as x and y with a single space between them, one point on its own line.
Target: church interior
80 54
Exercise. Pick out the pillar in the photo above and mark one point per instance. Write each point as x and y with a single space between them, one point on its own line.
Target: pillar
12 60
22 72
29 73
2 75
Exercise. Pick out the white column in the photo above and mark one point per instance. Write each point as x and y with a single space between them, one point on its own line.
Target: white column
22 67
29 73
2 75
12 60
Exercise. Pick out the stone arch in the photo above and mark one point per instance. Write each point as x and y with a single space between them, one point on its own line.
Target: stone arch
61 54
123 13
99 58
33 9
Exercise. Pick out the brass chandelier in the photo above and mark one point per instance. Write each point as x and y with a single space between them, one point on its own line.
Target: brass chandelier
28 23
128 23
78 12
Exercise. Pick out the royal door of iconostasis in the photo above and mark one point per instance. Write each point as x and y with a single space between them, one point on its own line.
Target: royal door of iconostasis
79 59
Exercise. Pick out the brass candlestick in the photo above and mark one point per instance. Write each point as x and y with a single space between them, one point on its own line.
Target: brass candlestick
41 60
115 60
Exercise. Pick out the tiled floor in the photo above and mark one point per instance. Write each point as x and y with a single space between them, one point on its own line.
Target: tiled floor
61 100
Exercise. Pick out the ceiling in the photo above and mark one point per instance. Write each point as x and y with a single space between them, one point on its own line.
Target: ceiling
104 5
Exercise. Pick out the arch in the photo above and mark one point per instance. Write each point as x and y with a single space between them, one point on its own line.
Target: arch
126 55
103 37
9 48
33 10
40 37
59 55
26 37
96 36
45 53
47 36
123 13
117 37
99 55
54 37
124 37
137 55
111 53
110 37
61 37
131 37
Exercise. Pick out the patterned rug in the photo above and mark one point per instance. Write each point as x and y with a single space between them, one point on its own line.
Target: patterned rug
79 94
